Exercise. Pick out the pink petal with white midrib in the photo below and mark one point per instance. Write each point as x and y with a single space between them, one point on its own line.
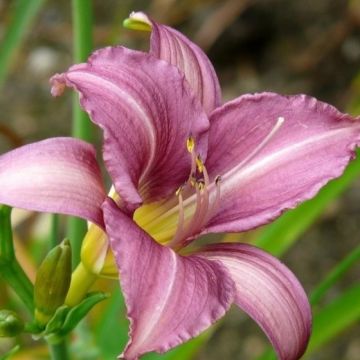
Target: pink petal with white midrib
58 175
314 145
172 46
147 112
268 292
169 298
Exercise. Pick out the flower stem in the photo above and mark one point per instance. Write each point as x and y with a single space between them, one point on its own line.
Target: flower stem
59 351
10 270
54 232
82 128
83 45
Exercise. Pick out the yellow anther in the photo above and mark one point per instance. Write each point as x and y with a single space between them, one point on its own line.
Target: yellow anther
199 164
190 144
200 184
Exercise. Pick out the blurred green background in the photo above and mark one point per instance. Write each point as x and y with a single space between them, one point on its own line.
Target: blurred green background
286 46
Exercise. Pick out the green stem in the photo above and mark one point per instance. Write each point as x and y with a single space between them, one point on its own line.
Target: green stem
82 127
76 231
59 351
54 232
83 45
7 252
10 270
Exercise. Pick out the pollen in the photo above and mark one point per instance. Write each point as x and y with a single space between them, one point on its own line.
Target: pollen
190 144
199 164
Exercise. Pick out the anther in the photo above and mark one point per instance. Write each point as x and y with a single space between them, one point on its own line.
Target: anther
199 164
190 144
201 184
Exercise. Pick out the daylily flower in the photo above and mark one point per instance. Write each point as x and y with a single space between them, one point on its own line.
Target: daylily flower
184 165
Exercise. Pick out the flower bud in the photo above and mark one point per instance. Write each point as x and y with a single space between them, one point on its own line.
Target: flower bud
10 324
52 282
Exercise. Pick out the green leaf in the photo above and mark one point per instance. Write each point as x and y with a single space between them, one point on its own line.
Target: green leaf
24 14
334 318
77 313
57 321
10 270
185 351
282 233
335 274
111 332
10 353
53 325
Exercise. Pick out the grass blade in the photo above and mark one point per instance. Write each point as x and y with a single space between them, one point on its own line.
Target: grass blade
24 14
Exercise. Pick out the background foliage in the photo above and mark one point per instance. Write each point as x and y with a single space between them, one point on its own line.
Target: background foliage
285 46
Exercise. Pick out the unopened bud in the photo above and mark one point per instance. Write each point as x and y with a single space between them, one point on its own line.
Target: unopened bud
10 324
52 282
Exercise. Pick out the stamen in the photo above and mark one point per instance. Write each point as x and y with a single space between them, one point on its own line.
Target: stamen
218 180
206 176
190 144
215 204
198 199
182 232
179 190
199 164
181 220
201 184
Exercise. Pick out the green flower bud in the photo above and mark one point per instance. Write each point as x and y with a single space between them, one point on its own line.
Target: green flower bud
10 324
52 282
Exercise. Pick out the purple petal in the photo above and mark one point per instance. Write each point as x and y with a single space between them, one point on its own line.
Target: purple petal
57 175
147 113
169 298
172 46
270 293
313 146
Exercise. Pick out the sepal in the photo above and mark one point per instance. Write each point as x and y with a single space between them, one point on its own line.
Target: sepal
65 319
